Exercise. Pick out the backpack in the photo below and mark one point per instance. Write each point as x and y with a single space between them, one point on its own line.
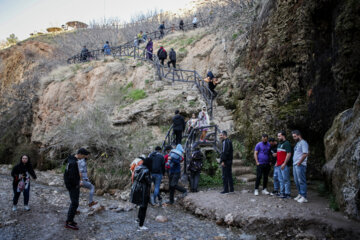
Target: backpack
162 54
196 162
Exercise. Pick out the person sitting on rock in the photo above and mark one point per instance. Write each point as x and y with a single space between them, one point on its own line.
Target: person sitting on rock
212 82
162 54
140 190
21 181
262 159
194 168
172 57
84 180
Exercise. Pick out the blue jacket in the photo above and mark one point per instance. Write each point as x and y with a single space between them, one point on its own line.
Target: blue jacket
176 157
107 49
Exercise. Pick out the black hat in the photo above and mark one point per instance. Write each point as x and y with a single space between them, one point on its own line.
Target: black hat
168 147
83 151
158 148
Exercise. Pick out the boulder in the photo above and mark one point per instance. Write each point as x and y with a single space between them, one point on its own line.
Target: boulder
161 219
342 152
99 192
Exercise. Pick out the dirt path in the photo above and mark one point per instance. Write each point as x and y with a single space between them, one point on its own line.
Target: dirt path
270 217
49 207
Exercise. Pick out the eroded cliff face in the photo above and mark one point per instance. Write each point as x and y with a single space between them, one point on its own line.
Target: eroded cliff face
342 151
298 69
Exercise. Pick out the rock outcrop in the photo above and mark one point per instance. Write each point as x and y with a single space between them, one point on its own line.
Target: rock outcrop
342 151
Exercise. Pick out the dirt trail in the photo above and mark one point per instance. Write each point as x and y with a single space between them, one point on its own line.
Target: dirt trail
277 218
49 206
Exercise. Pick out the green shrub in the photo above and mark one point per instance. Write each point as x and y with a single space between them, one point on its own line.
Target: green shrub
192 103
137 94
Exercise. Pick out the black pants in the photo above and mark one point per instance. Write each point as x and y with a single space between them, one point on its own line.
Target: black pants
17 194
173 182
227 178
162 34
172 62
214 93
181 27
74 198
262 170
178 134
142 214
194 181
194 25
162 61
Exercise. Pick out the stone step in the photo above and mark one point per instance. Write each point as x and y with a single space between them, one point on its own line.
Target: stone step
246 178
238 162
241 170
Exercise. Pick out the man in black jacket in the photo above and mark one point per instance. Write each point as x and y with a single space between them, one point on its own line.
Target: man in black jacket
157 172
72 183
178 126
226 163
172 57
162 54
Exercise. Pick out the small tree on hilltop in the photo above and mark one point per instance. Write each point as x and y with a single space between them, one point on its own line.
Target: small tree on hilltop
12 39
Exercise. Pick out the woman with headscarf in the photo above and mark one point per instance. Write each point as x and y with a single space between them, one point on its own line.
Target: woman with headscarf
21 181
140 190
204 121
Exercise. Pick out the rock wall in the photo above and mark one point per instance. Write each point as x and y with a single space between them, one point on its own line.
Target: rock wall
342 151
297 69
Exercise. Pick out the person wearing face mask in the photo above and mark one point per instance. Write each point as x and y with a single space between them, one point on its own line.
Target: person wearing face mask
21 181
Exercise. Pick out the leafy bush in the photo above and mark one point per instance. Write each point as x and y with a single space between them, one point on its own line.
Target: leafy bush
137 94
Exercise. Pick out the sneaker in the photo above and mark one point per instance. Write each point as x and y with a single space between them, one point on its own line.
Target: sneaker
26 207
92 203
302 200
142 228
224 192
273 193
297 197
170 202
71 225
14 208
137 221
280 195
286 196
256 192
265 192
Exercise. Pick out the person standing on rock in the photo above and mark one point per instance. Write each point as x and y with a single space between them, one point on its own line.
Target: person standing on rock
84 180
301 152
204 121
172 57
72 183
194 168
162 55
178 126
157 172
175 172
262 159
226 159
21 181
140 190
283 156
106 48
149 49
273 150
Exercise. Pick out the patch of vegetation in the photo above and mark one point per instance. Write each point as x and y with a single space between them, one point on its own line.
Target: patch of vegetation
325 192
294 105
147 81
137 94
139 64
192 103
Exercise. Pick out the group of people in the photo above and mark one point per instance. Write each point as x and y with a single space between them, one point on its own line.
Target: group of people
269 152
85 54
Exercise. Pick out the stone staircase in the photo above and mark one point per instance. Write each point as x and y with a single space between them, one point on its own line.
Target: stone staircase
242 173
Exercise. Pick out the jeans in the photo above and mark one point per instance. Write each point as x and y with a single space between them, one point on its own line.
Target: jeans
194 181
300 179
156 178
74 198
276 179
173 182
227 178
88 185
262 170
17 194
178 134
284 179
